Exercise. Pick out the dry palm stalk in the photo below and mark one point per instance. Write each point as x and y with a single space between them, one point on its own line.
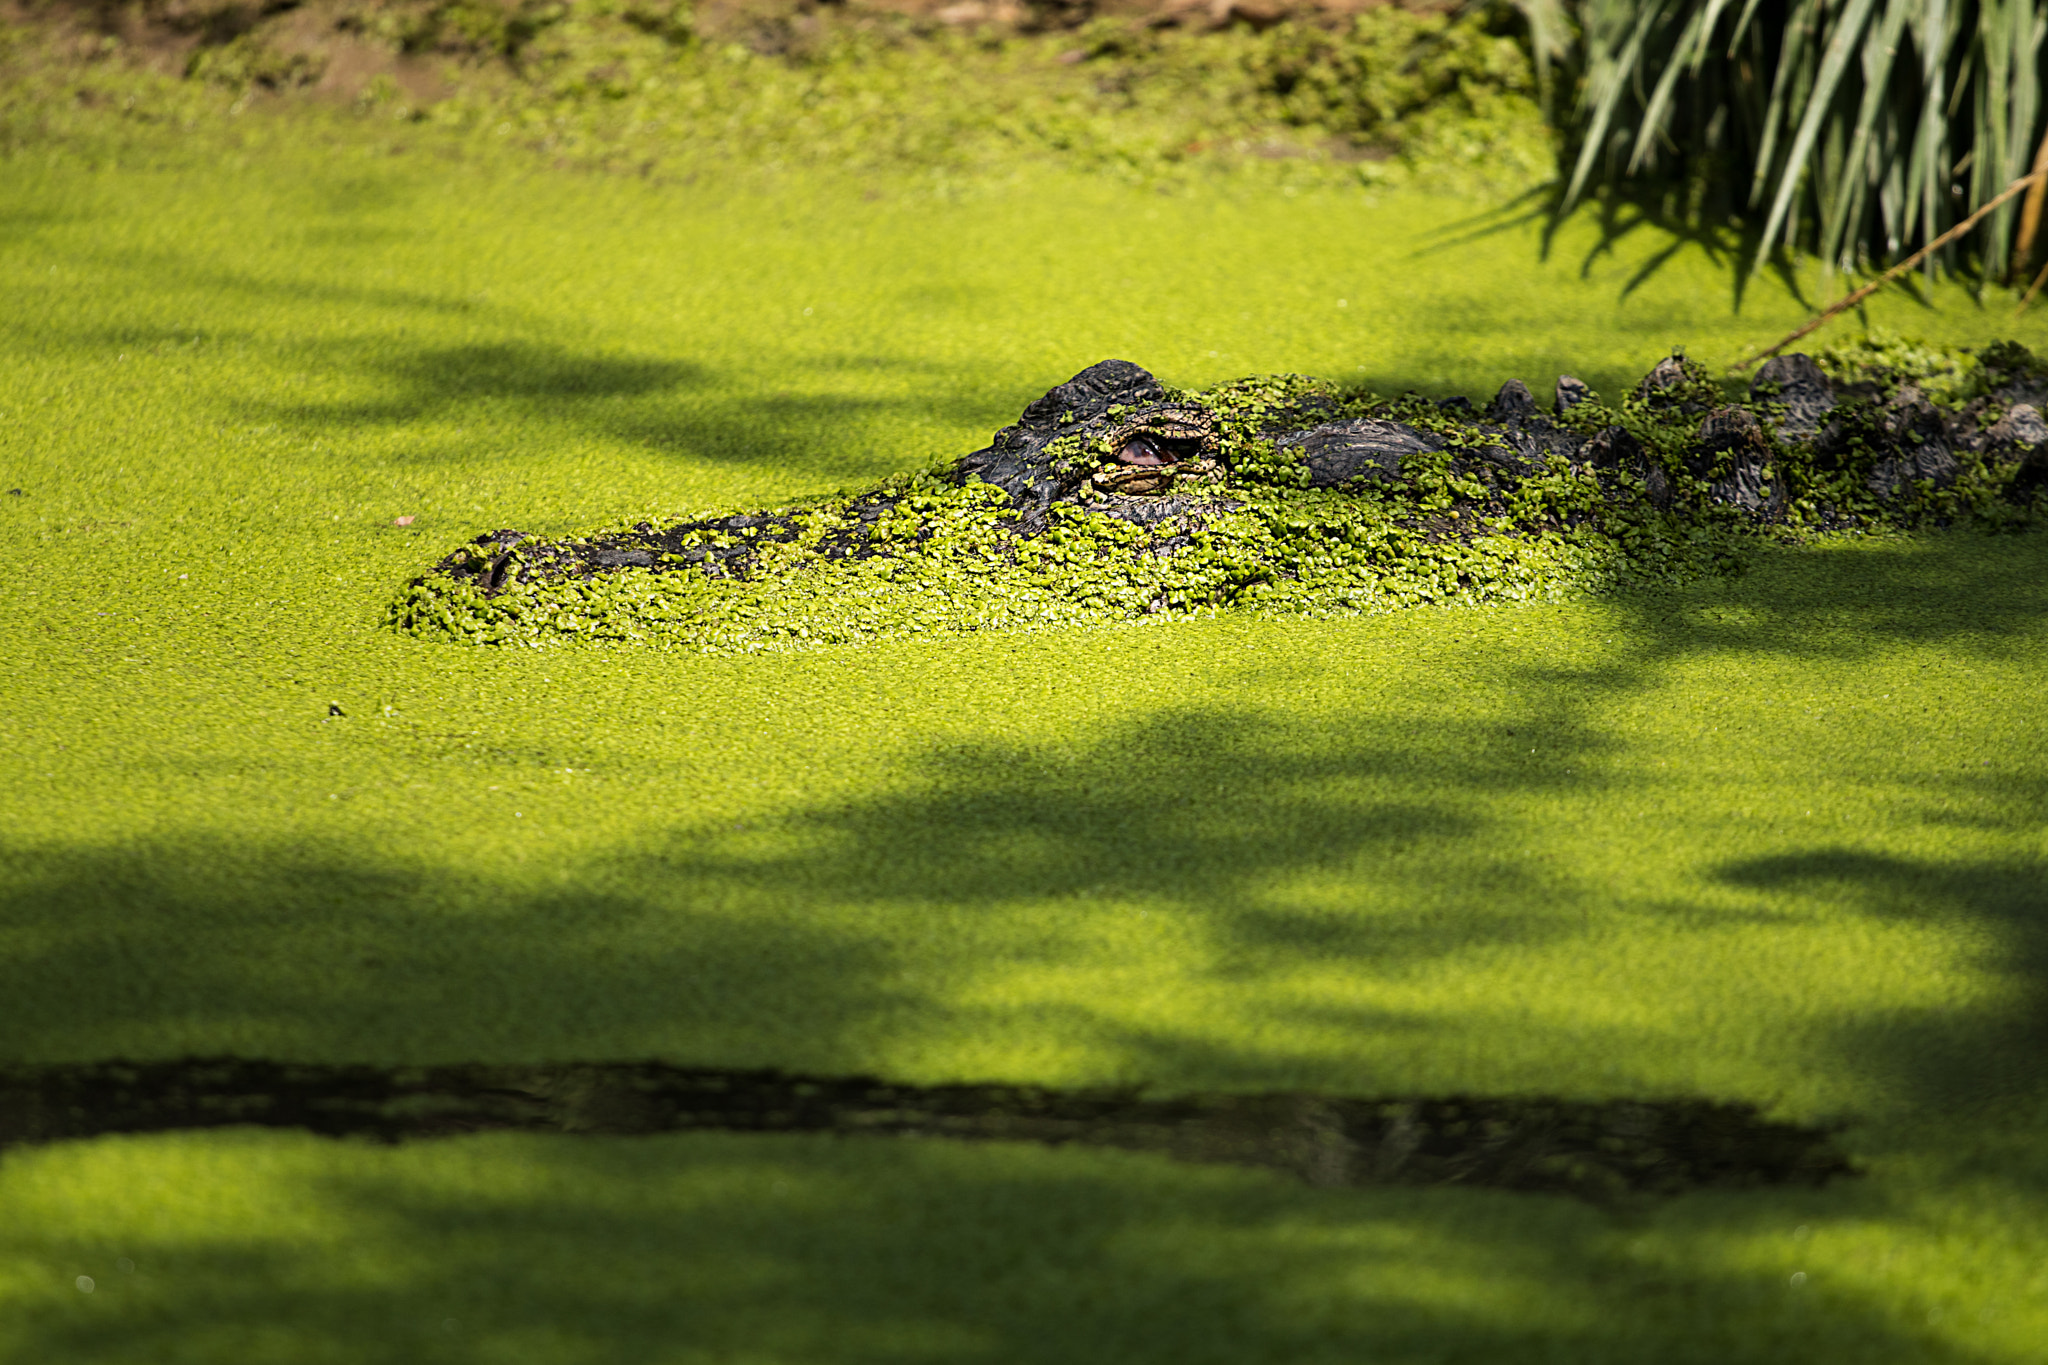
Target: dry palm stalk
1849 301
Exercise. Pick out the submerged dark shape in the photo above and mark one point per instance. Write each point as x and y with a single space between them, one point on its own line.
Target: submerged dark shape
1600 1150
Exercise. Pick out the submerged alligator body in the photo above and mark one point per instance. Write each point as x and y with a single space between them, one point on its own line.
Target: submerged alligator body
1114 496
1612 1153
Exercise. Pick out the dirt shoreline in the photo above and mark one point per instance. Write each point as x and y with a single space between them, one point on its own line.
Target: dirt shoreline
338 48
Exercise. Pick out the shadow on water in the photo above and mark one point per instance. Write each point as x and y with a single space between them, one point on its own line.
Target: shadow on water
976 854
1730 243
203 275
1530 206
824 1250
667 405
357 958
396 378
791 1248
424 383
692 934
1931 610
1953 1058
590 1248
1975 596
1622 212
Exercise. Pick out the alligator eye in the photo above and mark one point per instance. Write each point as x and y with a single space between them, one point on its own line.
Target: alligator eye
1150 448
1145 449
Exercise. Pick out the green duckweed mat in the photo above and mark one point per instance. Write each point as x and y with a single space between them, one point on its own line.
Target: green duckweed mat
1774 838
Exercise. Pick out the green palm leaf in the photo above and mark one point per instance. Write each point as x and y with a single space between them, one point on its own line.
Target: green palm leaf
1858 129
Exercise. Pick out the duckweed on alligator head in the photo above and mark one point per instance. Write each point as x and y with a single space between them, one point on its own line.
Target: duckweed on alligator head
1114 497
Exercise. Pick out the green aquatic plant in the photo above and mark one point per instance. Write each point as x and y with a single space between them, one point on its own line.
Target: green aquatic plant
1767 840
655 89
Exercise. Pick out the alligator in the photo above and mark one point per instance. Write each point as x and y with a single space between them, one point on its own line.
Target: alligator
1113 495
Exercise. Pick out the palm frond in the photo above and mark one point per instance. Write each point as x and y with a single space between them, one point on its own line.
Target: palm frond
1858 129
1550 40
